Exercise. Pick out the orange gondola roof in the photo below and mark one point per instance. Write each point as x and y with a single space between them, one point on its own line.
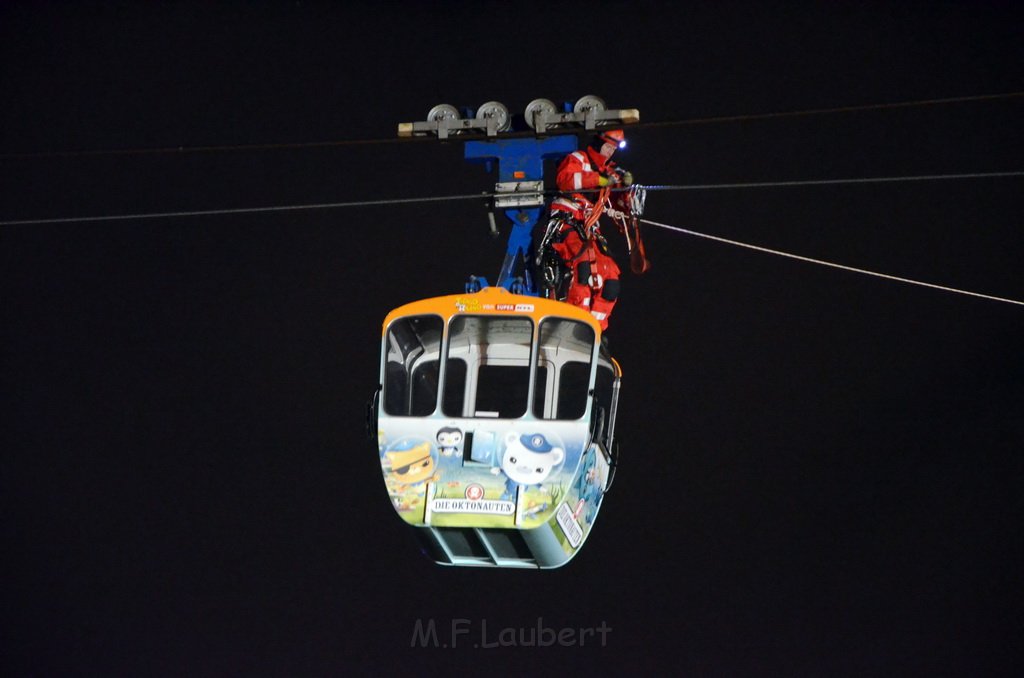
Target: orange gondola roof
494 300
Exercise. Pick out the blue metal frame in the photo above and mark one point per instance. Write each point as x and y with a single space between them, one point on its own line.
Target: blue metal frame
520 160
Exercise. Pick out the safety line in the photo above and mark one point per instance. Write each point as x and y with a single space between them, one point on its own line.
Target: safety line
836 182
525 133
821 262
241 210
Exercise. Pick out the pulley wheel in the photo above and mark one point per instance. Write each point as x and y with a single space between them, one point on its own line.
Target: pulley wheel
496 110
589 102
539 106
443 112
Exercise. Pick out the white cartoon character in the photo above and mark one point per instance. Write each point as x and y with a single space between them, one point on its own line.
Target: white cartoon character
527 460
448 439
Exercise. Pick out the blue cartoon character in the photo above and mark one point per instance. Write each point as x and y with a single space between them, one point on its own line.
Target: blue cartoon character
448 440
527 460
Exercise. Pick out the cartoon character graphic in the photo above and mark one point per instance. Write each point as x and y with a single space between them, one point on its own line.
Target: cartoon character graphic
412 467
448 440
527 461
589 487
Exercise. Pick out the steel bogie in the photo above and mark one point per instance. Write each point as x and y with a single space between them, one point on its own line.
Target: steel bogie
492 119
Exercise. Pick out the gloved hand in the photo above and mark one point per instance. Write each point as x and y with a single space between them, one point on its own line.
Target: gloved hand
623 177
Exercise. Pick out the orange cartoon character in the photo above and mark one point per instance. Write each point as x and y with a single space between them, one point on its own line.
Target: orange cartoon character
412 466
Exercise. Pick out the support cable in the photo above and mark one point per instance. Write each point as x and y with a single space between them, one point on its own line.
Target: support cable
396 140
478 196
486 196
837 109
241 210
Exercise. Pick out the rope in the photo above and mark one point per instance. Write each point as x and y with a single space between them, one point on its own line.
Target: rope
836 182
820 262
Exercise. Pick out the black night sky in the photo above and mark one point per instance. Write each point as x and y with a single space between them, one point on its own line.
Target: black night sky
821 471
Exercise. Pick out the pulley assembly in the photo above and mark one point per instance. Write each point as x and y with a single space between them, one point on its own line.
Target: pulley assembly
542 116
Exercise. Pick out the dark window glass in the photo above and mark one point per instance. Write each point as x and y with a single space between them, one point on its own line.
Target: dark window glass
603 396
573 388
410 372
540 389
497 348
603 386
396 388
569 343
454 388
424 388
501 391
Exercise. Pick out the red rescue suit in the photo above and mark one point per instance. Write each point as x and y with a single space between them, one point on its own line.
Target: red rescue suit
595 275
579 170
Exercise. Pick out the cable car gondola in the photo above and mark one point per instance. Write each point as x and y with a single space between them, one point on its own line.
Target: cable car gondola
495 426
495 410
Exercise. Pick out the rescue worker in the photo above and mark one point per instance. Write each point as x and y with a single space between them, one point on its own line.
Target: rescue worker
571 251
